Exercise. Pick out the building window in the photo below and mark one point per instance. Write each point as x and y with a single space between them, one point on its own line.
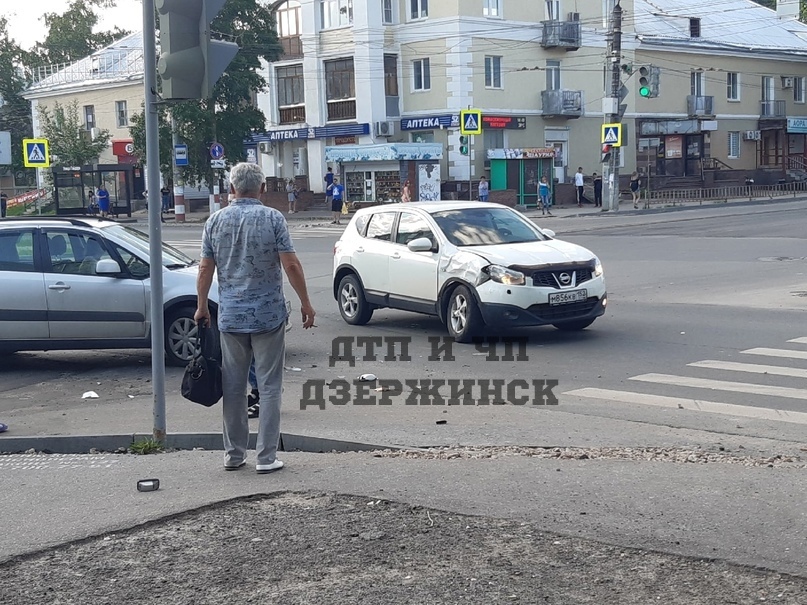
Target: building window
733 86
493 139
696 83
336 13
289 29
734 145
419 9
387 12
694 28
290 94
426 136
553 75
391 75
422 74
340 89
121 114
89 117
552 10
493 72
607 11
492 8
768 88
798 89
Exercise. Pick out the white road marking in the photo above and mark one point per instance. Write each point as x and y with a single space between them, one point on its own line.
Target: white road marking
800 340
752 368
787 353
712 407
723 385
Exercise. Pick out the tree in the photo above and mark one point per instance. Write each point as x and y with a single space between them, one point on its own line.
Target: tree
70 35
138 132
15 112
230 116
70 142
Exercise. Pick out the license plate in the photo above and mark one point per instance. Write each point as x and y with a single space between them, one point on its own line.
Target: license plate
563 298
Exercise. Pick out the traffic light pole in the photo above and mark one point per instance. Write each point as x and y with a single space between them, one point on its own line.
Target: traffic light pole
155 224
611 168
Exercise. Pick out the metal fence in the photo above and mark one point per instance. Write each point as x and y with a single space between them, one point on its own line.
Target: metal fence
723 194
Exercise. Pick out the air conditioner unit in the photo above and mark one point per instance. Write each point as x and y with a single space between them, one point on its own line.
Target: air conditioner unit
787 82
385 129
752 135
266 147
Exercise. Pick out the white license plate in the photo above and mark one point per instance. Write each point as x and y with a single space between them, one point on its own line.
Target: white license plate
563 298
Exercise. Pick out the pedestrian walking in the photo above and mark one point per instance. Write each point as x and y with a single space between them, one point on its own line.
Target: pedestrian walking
102 197
3 204
597 190
248 246
635 183
165 196
579 182
406 194
336 202
291 194
329 186
484 189
543 193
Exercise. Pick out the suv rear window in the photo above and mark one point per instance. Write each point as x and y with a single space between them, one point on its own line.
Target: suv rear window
16 251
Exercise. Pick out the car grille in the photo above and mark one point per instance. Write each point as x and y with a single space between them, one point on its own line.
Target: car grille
551 279
568 311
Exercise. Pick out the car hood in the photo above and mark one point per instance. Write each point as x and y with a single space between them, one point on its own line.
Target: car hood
531 254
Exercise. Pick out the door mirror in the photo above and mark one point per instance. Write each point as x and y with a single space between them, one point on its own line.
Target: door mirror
421 244
548 232
107 266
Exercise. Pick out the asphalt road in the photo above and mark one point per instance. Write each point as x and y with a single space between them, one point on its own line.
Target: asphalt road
704 307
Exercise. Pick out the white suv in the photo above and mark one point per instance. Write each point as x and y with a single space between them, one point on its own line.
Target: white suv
469 263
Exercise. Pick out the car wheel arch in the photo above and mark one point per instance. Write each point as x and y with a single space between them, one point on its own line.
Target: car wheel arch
340 274
445 295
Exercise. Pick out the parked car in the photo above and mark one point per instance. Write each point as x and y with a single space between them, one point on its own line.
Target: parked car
469 263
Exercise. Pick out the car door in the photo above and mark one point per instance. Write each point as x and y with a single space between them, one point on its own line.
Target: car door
23 305
414 273
372 254
83 305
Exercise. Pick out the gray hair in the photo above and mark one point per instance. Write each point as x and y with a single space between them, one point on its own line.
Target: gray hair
246 178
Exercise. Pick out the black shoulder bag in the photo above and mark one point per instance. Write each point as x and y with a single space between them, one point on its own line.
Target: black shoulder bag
201 382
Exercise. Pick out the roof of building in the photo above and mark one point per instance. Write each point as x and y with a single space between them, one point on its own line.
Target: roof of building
121 61
739 24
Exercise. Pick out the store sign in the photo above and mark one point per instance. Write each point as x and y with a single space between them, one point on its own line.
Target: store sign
504 122
346 140
319 132
526 153
797 125
427 123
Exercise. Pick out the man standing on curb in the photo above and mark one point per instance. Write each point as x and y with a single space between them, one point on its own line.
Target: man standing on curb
247 244
579 183
3 204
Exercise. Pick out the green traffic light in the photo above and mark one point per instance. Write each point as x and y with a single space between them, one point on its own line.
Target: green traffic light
644 91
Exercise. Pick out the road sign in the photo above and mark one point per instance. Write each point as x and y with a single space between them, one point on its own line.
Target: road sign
218 164
217 151
471 121
180 155
35 153
612 134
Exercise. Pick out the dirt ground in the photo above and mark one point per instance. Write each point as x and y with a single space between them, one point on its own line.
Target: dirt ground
323 548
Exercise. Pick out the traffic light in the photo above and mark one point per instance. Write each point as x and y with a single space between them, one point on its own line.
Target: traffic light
649 76
464 145
606 153
190 62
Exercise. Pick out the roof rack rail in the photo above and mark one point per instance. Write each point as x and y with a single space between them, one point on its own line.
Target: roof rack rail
73 219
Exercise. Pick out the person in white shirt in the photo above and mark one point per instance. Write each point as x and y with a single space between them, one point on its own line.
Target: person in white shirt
578 183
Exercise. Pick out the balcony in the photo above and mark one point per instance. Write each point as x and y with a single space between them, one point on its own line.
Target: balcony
700 105
561 34
772 109
292 115
292 47
342 110
562 103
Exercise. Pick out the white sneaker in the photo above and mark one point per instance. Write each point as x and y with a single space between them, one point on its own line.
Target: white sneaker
262 469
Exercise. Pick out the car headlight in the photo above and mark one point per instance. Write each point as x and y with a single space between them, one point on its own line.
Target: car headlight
597 267
505 276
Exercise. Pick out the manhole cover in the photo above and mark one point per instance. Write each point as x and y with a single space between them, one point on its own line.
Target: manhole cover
772 259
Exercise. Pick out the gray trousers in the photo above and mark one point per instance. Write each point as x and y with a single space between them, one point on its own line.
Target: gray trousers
237 351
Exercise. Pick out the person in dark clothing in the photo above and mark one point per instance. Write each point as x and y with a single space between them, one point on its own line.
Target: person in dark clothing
597 190
3 204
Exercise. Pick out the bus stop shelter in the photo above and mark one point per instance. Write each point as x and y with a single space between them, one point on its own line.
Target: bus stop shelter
72 186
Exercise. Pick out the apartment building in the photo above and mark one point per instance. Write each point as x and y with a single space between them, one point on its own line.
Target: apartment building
374 89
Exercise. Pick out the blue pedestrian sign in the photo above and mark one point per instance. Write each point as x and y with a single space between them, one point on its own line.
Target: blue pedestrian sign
180 155
217 151
471 121
35 153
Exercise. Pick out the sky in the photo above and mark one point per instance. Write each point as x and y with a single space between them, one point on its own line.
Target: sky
27 27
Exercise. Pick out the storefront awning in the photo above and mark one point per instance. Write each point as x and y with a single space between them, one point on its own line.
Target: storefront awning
381 153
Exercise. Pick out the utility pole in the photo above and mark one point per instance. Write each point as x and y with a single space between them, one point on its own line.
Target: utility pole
611 107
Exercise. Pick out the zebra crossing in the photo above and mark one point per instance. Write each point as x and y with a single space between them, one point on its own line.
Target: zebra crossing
298 233
722 387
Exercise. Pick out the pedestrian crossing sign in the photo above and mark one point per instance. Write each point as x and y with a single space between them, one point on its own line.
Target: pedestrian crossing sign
612 135
35 153
471 121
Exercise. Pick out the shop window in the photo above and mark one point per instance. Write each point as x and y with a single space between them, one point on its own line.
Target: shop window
493 72
426 136
422 74
336 13
380 226
734 145
733 86
340 89
492 139
121 114
418 9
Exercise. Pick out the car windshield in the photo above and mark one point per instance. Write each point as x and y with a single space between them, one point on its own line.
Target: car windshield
139 242
486 226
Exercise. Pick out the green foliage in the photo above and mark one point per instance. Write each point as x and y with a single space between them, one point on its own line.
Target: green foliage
69 140
15 113
137 130
146 446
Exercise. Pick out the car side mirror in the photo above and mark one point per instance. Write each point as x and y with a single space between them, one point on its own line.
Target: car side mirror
548 232
421 244
107 266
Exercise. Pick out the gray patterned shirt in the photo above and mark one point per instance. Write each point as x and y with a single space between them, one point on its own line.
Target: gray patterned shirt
245 240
